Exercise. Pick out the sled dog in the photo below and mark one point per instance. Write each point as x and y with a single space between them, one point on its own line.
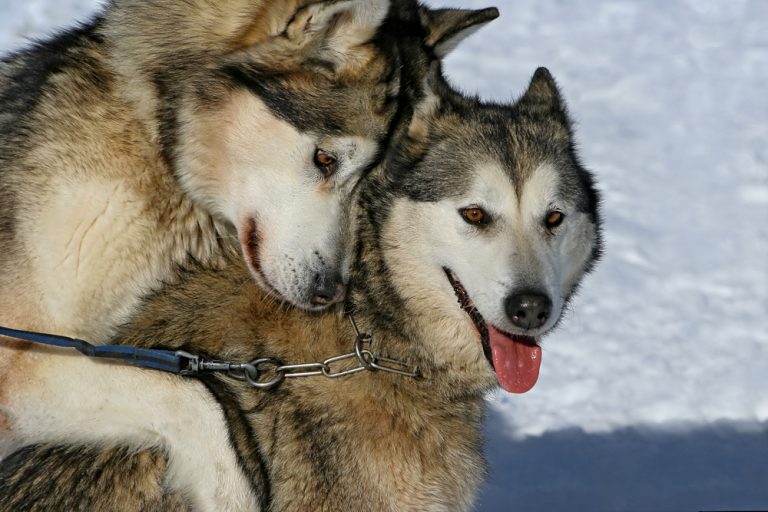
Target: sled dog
469 240
230 127
136 143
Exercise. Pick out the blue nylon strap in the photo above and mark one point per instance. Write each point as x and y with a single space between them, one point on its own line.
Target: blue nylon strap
164 360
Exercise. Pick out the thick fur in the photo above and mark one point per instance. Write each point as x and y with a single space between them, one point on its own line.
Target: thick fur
157 136
116 469
45 391
138 142
373 441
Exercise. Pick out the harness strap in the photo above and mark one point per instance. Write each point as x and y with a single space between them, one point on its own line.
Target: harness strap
164 360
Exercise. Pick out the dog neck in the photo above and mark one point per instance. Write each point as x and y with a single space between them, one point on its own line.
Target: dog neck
388 439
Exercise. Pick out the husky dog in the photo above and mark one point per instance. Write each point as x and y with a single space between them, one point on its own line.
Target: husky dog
338 106
136 143
469 242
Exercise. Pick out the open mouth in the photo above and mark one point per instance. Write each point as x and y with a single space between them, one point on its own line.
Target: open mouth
515 358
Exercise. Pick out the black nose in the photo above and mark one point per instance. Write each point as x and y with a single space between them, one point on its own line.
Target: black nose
329 289
528 310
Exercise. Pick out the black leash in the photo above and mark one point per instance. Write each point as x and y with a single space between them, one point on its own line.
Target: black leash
165 360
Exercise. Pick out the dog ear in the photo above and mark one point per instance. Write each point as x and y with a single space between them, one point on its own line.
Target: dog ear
543 94
327 36
425 109
446 28
543 102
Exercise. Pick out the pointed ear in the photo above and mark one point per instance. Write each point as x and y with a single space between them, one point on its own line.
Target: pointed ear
337 27
427 107
542 94
326 35
446 28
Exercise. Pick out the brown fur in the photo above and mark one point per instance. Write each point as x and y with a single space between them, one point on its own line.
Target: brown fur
367 442
135 480
101 126
374 440
267 20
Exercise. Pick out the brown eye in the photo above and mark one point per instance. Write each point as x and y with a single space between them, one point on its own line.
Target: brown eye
554 219
475 216
326 162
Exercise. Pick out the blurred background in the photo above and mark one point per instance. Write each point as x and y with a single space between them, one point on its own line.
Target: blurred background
654 392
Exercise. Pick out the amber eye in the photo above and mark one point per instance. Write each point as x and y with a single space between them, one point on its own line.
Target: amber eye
554 219
326 162
475 216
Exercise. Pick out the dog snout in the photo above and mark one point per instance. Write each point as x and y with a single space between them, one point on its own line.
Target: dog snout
529 309
329 289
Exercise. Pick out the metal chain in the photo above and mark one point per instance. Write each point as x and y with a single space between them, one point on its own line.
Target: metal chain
268 372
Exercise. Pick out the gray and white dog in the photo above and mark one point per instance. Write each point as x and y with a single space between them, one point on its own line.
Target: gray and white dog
468 243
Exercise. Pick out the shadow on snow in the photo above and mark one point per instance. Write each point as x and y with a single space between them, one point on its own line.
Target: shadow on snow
719 467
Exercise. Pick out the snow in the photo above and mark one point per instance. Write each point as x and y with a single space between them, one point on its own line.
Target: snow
654 392
21 20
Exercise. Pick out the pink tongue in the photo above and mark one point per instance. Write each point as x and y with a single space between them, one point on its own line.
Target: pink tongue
517 364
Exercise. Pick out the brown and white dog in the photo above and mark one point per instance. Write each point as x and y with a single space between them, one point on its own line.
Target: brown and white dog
468 242
166 135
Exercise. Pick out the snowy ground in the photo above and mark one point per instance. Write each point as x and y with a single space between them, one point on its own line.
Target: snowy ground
654 393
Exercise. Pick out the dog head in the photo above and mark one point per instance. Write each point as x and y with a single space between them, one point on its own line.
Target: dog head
487 224
271 127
